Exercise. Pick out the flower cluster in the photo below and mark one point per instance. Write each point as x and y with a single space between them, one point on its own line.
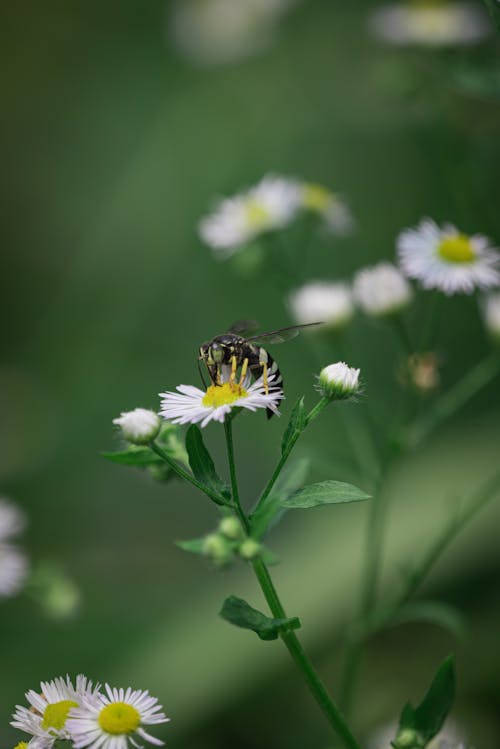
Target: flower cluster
13 561
86 716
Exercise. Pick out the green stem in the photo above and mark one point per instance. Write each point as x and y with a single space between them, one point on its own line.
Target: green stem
176 468
228 431
402 333
292 643
431 325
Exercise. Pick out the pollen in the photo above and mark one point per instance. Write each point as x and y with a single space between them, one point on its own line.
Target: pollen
222 395
257 215
119 718
316 197
457 249
21 745
55 714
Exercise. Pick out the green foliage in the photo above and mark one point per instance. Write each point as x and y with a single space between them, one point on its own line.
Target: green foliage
295 425
140 457
433 612
271 511
325 493
238 612
417 726
201 463
194 545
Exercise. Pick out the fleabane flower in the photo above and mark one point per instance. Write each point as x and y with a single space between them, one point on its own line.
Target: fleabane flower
381 290
115 720
14 567
490 308
139 426
271 204
12 520
329 206
338 381
448 260
432 23
47 718
322 301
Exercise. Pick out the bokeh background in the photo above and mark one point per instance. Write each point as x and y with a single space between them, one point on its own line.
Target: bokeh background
115 141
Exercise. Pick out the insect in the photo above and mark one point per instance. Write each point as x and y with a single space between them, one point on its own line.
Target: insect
238 351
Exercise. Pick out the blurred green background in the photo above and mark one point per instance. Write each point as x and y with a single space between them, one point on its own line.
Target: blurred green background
114 145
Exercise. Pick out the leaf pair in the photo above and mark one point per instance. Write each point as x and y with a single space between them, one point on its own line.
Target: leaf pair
238 612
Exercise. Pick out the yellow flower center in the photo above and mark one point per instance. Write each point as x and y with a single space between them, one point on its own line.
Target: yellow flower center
257 215
316 197
221 395
119 718
55 714
21 745
457 249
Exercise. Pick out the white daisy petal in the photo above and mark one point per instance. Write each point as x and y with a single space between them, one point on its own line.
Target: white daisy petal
381 290
322 301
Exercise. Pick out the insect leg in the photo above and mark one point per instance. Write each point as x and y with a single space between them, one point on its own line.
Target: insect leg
264 378
243 372
234 366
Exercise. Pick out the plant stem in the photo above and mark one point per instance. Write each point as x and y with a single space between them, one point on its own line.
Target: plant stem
228 431
176 468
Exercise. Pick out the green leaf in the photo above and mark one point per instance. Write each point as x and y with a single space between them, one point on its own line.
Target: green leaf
433 612
270 512
201 462
194 545
241 614
295 425
425 721
142 457
325 493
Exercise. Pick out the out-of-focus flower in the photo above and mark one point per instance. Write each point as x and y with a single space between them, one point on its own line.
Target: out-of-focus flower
139 426
269 205
421 372
115 720
382 290
322 301
338 381
333 210
14 563
12 520
433 23
47 718
54 590
490 307
216 32
446 259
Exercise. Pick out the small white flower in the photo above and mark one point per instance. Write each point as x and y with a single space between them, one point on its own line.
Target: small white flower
47 719
431 23
490 308
12 520
338 381
115 720
381 290
335 212
190 405
446 259
270 205
322 301
14 568
139 426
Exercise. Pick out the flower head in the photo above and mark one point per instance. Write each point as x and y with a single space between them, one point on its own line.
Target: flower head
269 205
12 520
322 301
192 405
14 568
139 426
446 259
338 381
333 210
115 720
432 23
381 290
490 308
47 718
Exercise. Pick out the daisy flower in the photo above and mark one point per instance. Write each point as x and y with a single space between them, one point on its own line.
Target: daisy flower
115 720
47 718
333 210
190 405
139 426
338 381
490 309
271 204
431 23
381 290
446 259
326 301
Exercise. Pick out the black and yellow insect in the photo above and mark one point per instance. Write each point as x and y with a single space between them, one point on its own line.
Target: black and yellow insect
246 354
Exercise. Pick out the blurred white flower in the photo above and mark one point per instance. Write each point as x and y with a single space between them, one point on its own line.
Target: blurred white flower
269 205
12 520
333 210
139 426
14 568
322 301
431 22
215 32
490 307
381 290
446 259
115 720
338 381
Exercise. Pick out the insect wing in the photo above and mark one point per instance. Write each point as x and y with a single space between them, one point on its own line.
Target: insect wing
281 335
243 328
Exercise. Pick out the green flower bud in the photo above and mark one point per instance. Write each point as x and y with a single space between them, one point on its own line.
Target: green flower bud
249 548
217 548
231 528
338 381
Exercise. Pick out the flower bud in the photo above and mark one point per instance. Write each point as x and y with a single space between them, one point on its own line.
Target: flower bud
140 426
217 548
230 527
249 548
408 738
382 290
338 381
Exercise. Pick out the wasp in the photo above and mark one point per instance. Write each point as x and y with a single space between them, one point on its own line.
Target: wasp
246 354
